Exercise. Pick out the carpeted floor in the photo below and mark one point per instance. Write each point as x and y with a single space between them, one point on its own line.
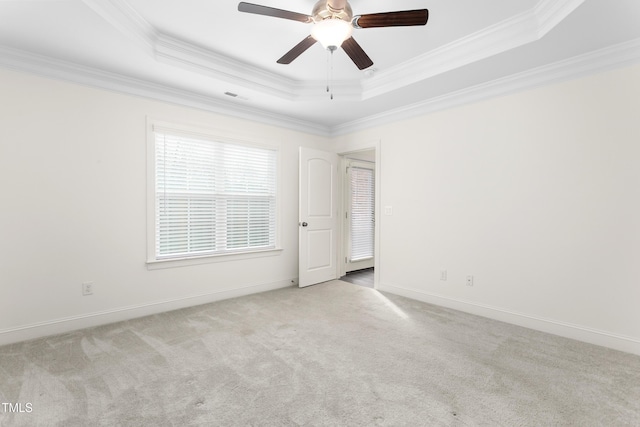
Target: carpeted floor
333 354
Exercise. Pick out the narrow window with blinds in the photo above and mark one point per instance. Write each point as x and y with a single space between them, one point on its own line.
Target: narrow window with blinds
212 197
362 213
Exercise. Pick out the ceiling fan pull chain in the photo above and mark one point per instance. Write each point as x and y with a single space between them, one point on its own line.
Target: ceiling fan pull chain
328 68
330 71
331 80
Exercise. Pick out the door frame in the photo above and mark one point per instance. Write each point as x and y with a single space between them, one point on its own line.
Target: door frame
340 252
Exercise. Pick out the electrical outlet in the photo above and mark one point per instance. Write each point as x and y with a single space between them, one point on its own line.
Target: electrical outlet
87 288
443 275
469 280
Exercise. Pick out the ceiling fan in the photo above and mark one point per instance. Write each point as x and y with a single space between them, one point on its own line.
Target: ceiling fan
333 22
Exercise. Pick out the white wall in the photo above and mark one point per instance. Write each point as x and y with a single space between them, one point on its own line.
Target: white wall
537 195
73 174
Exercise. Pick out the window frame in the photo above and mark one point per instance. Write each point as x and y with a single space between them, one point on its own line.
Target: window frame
213 134
365 165
368 166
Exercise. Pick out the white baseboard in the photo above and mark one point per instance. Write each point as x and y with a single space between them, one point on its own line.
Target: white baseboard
567 330
72 323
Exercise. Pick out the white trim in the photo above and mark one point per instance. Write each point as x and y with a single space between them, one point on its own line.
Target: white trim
210 132
67 71
563 329
551 12
513 32
505 35
151 189
157 264
171 50
343 152
525 27
620 55
154 125
68 324
184 55
121 15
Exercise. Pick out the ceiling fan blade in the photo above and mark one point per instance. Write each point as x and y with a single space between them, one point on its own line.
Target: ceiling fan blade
357 55
271 11
297 50
402 18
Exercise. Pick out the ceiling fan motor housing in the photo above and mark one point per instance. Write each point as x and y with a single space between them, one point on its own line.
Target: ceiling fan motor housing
322 11
331 26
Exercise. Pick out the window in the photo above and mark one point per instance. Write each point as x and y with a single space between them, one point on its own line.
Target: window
211 197
362 213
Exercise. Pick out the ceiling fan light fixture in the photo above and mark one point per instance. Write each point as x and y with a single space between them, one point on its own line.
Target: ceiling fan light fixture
331 32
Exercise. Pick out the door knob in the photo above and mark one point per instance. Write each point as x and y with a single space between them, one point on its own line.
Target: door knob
304 224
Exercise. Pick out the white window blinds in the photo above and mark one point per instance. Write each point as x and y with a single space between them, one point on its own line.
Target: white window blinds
362 213
212 197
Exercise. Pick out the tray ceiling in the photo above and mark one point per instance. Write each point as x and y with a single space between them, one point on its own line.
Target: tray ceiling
193 51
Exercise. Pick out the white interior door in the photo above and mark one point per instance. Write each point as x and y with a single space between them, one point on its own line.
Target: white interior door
318 218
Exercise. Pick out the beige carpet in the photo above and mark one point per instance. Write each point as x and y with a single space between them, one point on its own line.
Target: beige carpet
332 354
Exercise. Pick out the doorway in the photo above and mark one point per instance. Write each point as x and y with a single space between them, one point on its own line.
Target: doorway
324 252
359 213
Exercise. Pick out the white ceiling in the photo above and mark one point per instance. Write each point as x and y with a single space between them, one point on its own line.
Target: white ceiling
193 51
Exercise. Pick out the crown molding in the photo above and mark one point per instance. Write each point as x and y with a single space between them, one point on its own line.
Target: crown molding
121 15
188 56
61 70
508 34
551 12
516 31
616 56
176 52
173 51
620 55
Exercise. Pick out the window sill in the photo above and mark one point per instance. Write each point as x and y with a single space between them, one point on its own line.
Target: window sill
207 259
